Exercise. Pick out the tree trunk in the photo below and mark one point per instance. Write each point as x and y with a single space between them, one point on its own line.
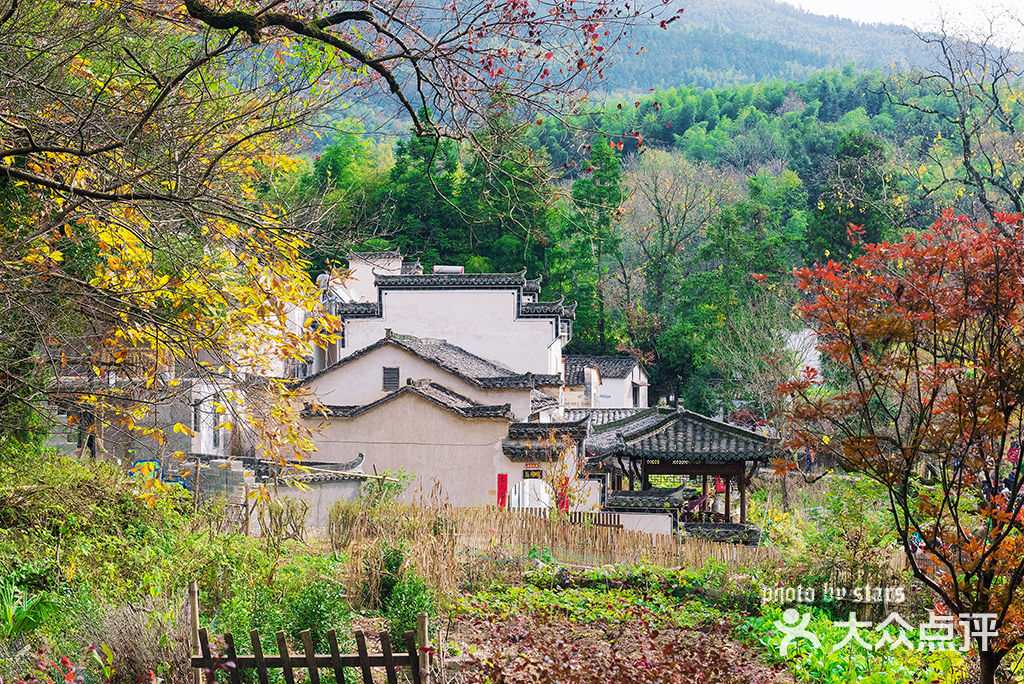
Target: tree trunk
989 663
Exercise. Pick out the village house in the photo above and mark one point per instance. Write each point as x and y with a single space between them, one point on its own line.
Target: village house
605 382
460 379
441 374
493 315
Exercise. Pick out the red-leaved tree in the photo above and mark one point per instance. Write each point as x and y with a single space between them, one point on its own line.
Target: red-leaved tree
927 397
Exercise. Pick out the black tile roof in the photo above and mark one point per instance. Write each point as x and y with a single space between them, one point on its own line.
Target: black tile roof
453 280
539 401
648 499
431 391
357 309
410 279
677 435
322 478
607 366
576 429
541 441
456 360
548 309
600 416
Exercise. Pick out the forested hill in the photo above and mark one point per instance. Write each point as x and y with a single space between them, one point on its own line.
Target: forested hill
725 42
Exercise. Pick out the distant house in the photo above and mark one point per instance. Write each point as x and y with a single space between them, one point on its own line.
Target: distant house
605 382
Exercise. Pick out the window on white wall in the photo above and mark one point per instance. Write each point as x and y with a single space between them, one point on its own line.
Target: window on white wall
390 379
636 395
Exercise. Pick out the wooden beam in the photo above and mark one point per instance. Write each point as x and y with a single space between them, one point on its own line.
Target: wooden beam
713 469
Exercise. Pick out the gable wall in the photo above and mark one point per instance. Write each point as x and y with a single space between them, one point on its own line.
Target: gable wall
361 382
618 392
410 432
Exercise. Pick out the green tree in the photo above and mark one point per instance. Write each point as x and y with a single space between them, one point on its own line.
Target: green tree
861 189
709 111
597 196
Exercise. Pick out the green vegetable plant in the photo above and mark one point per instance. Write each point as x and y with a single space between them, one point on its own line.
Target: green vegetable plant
21 612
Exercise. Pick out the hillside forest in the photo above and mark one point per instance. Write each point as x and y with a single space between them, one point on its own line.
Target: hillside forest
673 219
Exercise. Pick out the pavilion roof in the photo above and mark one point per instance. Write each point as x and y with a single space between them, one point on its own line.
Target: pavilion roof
677 435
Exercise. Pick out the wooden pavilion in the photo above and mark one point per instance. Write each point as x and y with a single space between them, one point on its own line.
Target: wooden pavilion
676 449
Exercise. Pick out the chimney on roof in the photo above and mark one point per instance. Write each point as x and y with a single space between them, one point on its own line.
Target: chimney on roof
387 333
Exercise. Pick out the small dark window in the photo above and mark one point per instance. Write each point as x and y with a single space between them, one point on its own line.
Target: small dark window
216 435
390 379
636 395
197 416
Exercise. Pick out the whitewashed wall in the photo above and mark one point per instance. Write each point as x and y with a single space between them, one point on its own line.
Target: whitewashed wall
360 382
481 321
410 432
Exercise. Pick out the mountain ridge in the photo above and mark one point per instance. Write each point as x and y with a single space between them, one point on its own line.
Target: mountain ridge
718 43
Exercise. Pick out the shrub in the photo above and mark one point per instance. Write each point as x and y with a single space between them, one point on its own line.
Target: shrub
151 637
319 606
387 488
341 522
409 597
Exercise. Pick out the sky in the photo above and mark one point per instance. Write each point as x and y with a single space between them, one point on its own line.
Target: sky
920 14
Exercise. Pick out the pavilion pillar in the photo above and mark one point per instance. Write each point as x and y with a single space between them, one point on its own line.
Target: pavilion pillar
743 496
704 492
728 492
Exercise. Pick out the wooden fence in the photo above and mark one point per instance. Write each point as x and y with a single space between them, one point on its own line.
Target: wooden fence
595 518
363 661
415 658
520 532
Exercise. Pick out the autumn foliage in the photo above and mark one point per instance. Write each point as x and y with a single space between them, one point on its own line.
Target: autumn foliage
927 396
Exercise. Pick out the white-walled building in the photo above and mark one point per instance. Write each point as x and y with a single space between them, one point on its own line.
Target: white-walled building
460 379
394 361
493 315
605 382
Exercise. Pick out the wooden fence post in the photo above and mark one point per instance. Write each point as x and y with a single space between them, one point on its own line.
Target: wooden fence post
245 505
193 616
423 639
